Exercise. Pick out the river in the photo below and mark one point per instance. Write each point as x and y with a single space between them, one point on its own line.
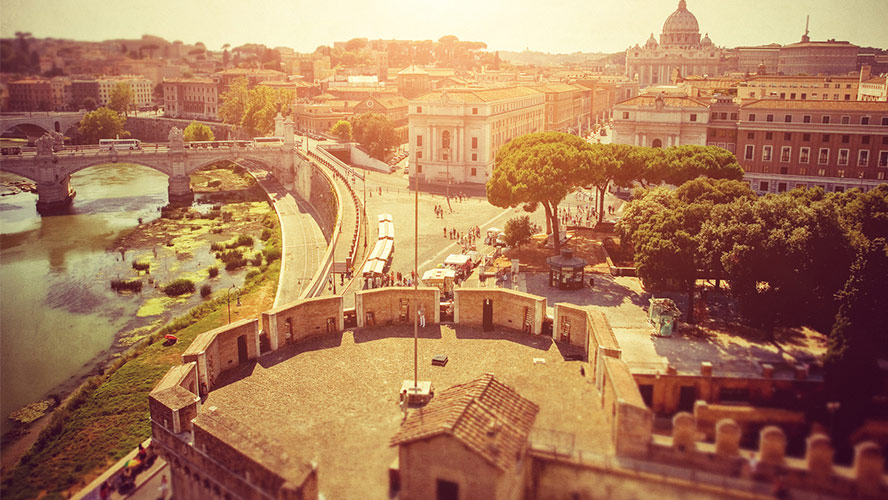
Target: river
57 312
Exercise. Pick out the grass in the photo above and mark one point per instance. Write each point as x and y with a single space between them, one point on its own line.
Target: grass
108 416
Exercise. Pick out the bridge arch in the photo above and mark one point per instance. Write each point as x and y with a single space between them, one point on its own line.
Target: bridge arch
93 162
31 130
234 158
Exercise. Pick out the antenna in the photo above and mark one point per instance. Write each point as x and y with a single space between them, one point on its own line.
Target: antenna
805 37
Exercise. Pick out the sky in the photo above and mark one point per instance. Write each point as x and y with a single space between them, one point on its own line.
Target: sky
555 26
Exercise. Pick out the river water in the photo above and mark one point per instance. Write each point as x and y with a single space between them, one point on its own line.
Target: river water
57 312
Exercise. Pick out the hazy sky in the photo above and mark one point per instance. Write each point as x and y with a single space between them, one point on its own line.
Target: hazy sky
544 25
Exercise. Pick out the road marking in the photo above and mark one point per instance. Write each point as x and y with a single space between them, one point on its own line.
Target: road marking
453 245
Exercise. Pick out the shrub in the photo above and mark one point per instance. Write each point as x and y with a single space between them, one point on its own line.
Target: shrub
206 290
272 254
265 235
256 260
217 247
241 241
141 266
214 271
133 285
215 183
179 287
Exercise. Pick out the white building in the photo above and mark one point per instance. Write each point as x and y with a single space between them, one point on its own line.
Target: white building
141 87
661 120
454 134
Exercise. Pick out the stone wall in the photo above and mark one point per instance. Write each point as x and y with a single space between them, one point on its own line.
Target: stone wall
751 419
630 420
216 351
383 306
509 308
296 321
158 129
571 325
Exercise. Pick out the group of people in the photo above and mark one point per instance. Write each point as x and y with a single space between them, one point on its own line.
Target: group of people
390 279
465 239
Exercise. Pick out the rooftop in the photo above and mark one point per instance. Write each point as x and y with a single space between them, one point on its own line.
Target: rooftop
813 105
335 399
478 95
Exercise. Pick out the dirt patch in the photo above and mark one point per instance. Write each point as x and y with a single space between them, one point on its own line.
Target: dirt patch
585 243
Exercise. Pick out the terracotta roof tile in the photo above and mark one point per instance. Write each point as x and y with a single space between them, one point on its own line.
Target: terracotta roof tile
813 105
487 416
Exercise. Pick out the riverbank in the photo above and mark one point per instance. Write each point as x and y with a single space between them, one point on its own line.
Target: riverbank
107 408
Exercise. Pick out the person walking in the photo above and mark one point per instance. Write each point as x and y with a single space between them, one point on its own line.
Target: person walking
163 488
421 313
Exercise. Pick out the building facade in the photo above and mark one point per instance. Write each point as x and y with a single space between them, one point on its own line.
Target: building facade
782 145
195 98
31 94
661 120
872 88
816 58
799 87
454 134
680 50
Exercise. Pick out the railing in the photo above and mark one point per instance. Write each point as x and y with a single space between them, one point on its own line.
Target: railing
337 166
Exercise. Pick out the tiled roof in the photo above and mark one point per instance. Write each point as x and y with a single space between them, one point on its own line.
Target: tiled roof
413 70
174 398
254 445
813 105
556 87
479 95
487 416
389 102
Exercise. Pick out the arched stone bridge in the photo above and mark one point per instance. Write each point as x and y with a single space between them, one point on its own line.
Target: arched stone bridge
36 124
51 166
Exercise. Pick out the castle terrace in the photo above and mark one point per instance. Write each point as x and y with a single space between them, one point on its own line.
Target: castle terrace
333 399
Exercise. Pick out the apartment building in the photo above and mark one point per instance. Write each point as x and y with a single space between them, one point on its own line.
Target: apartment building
454 134
195 98
30 94
662 120
835 145
800 87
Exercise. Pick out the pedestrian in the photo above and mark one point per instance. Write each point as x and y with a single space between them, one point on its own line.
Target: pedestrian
445 231
105 491
143 453
421 313
162 489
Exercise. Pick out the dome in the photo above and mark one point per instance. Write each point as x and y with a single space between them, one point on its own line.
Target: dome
651 43
706 41
681 21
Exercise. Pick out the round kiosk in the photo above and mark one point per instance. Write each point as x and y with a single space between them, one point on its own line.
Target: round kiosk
566 272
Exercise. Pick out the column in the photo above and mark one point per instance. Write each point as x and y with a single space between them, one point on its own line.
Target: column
677 141
636 139
643 140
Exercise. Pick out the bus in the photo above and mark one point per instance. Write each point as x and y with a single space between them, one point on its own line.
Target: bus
218 144
119 144
268 142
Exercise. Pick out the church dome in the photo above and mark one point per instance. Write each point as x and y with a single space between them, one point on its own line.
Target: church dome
651 43
681 21
706 41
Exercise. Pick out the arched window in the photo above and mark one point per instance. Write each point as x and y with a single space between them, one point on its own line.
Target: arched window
657 143
445 139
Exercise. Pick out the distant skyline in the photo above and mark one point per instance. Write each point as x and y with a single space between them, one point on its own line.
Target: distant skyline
556 26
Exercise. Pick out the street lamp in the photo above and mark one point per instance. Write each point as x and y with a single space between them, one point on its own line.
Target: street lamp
228 299
448 179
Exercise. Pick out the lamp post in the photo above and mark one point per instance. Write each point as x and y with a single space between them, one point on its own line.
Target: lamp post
448 179
228 299
416 280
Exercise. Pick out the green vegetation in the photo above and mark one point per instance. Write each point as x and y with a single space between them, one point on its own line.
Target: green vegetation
121 98
133 285
254 109
342 130
179 287
198 132
103 123
375 133
518 231
141 265
213 271
271 254
206 290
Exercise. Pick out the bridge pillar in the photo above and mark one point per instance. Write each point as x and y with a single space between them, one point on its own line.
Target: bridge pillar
179 191
54 192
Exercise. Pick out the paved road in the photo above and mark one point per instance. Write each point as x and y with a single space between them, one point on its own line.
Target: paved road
303 242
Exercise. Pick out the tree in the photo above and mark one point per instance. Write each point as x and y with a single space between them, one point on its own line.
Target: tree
234 101
536 169
689 162
375 133
89 104
343 130
254 109
518 231
196 131
121 98
599 167
102 123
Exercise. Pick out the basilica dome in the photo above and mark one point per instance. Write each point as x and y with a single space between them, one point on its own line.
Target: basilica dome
681 21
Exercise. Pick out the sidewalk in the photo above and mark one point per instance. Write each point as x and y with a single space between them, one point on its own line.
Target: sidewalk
141 490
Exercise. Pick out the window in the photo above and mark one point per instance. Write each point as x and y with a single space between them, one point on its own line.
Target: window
825 119
418 169
419 141
419 109
446 490
843 157
806 137
750 152
823 157
474 111
885 121
474 143
787 118
864 120
835 97
770 118
846 120
792 95
846 139
766 153
863 158
806 119
445 139
785 154
750 135
883 158
821 172
804 96
693 117
787 136
625 115
752 117
763 186
769 135
804 153
474 156
474 170
419 155
733 116
847 97
841 173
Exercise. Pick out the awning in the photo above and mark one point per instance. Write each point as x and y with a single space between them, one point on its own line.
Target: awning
456 259
387 248
438 275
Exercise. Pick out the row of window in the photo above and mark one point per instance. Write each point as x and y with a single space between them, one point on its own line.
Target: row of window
806 137
804 96
445 140
825 119
823 155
